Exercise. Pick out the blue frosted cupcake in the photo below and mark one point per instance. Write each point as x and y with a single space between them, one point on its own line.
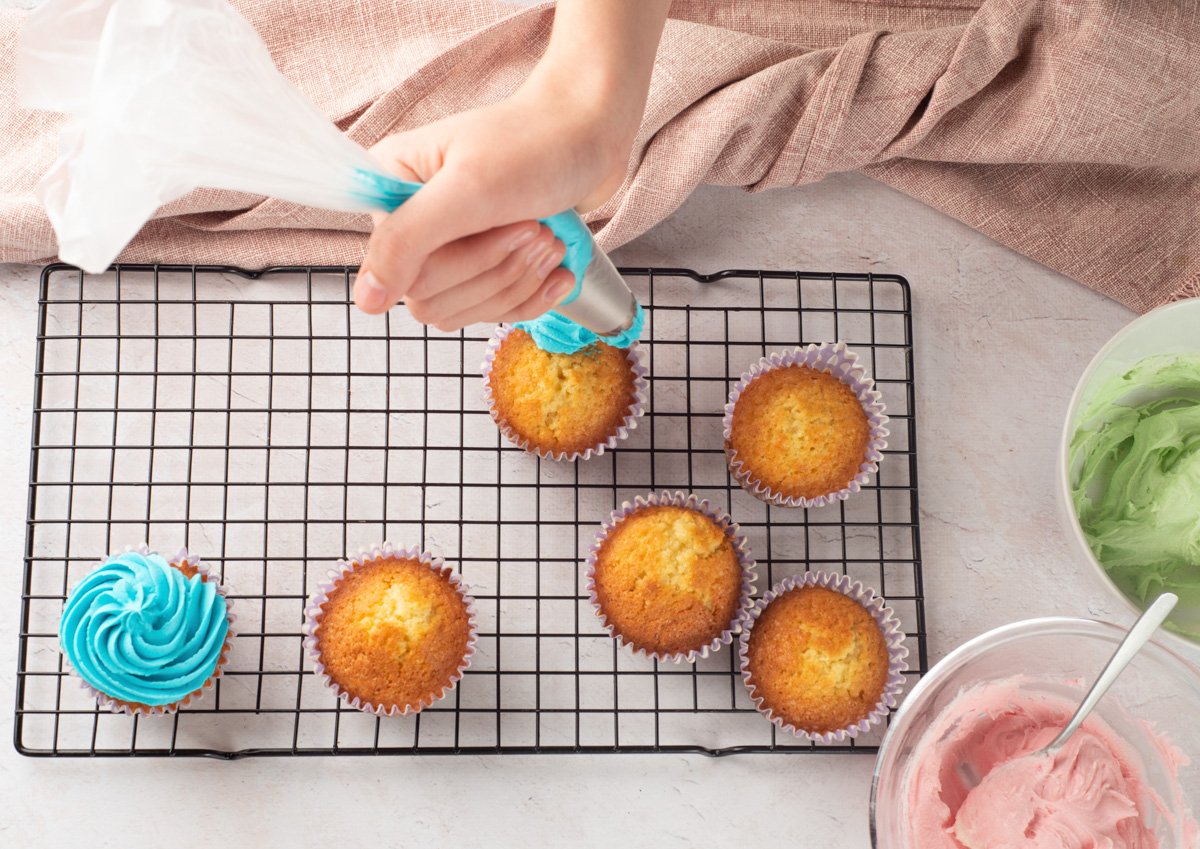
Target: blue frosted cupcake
145 634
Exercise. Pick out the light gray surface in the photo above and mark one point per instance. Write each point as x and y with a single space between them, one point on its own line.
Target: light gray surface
999 343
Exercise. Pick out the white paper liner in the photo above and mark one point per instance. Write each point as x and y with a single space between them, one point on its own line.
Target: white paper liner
842 363
741 549
117 706
888 623
628 423
313 613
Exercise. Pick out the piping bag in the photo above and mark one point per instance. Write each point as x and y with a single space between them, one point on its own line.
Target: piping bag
164 96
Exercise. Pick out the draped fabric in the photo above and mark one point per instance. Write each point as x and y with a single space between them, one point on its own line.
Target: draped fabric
1068 130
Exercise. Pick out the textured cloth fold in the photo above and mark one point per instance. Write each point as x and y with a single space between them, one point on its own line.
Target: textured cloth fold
1069 131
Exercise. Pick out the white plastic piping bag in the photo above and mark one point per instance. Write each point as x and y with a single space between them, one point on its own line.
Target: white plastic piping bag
168 95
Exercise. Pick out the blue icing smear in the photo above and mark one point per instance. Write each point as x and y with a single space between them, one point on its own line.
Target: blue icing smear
557 334
381 191
551 332
139 630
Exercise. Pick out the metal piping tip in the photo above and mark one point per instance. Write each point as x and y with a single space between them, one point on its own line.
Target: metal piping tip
605 305
628 325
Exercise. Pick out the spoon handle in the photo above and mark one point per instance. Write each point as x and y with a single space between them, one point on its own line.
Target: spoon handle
1141 631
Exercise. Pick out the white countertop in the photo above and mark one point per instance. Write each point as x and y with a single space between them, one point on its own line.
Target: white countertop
999 340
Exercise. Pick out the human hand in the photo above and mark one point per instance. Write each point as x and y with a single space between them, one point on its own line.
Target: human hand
468 247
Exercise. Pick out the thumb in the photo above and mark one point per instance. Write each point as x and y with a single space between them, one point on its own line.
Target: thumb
445 209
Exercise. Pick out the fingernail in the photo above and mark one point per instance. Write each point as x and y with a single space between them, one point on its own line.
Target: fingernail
533 253
558 291
549 262
523 238
368 293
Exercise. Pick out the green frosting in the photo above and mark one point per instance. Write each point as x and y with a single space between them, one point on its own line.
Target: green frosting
1138 494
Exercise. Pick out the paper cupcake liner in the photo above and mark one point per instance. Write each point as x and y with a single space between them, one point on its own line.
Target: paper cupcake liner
313 614
892 635
628 423
842 363
740 547
132 709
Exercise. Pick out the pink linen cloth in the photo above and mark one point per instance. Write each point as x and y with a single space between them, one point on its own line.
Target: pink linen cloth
1068 130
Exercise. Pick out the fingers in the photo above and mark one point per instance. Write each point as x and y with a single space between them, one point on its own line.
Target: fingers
468 258
558 285
447 208
525 279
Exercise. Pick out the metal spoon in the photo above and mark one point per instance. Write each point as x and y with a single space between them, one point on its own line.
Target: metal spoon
1142 630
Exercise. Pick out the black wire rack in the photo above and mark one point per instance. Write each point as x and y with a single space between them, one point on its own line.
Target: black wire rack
263 422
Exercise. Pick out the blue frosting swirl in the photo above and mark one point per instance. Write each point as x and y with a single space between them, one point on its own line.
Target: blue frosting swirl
139 630
559 335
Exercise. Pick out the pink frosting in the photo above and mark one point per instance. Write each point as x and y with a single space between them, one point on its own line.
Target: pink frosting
1091 793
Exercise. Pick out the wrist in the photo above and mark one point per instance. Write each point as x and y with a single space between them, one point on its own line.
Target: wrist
595 104
593 80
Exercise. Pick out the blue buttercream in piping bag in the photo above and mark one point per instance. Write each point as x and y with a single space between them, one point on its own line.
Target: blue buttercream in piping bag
384 192
182 94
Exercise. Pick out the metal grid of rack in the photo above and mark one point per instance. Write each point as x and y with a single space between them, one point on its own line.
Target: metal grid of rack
260 420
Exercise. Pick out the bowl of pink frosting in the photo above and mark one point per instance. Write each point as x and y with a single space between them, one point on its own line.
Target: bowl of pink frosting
1127 779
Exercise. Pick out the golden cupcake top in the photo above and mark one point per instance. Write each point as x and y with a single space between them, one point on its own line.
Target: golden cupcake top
800 431
393 632
818 659
668 579
561 402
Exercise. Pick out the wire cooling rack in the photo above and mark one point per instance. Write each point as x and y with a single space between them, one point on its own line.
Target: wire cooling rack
264 422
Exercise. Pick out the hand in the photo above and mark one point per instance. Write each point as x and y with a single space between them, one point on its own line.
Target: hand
467 247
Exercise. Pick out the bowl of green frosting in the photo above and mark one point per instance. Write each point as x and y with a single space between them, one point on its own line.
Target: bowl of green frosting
1129 463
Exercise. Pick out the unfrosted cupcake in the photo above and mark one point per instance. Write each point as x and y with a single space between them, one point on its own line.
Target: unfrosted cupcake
822 657
392 632
670 577
804 427
562 406
147 635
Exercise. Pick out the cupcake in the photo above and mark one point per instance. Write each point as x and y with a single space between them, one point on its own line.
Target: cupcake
670 577
392 632
147 635
804 428
562 406
822 657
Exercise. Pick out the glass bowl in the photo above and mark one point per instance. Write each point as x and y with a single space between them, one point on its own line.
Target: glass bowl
1159 686
1171 329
